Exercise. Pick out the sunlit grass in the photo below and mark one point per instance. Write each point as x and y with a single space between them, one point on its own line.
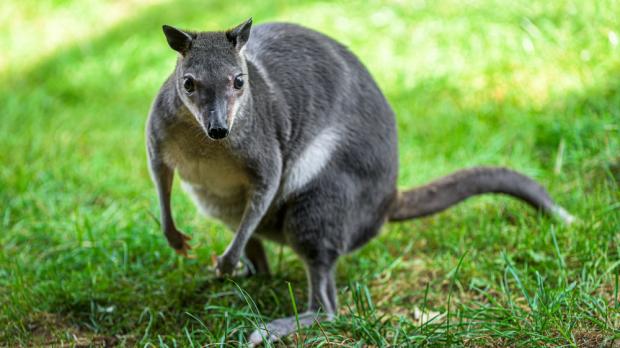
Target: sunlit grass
531 85
34 30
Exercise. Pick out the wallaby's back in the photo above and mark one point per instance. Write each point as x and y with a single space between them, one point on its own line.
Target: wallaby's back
328 91
324 85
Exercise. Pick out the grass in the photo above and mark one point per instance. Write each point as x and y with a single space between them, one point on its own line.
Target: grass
530 85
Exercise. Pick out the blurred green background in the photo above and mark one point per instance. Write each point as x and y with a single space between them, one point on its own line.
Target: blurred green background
533 85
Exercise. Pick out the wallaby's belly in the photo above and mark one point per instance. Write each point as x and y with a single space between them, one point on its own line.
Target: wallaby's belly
228 209
216 183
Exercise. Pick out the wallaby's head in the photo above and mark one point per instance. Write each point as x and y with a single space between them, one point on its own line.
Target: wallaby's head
211 75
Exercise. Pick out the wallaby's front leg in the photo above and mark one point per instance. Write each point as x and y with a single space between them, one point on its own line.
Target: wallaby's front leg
162 176
258 203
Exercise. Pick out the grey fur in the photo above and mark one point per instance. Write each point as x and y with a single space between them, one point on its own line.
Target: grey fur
454 188
308 155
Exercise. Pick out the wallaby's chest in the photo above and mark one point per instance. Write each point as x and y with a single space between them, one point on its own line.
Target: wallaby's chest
210 166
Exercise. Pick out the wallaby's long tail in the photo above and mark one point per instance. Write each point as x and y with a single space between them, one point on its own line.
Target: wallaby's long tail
445 192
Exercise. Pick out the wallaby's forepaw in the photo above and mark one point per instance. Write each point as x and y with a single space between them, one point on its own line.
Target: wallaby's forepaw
178 241
242 269
225 265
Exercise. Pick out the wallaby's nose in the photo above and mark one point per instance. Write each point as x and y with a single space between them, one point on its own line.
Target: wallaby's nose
217 132
216 128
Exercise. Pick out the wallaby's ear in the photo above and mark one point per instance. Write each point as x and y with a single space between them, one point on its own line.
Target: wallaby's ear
240 34
178 40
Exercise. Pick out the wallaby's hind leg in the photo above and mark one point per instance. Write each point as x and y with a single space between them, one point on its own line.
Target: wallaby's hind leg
322 306
322 289
315 228
332 291
255 252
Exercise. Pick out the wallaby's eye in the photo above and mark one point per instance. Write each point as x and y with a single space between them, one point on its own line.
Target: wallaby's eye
188 85
238 83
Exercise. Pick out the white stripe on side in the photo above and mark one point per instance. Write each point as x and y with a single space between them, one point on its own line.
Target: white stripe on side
311 161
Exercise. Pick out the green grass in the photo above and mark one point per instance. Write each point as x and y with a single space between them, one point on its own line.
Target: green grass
534 85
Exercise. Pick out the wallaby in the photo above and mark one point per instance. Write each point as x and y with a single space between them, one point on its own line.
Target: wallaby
281 133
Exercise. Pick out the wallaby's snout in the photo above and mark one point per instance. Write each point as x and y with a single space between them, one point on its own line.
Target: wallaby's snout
216 125
214 113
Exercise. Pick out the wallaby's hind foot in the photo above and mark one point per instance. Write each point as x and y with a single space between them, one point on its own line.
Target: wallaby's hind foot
280 328
322 306
445 192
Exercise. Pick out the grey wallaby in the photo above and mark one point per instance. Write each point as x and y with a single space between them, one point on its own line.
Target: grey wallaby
281 133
